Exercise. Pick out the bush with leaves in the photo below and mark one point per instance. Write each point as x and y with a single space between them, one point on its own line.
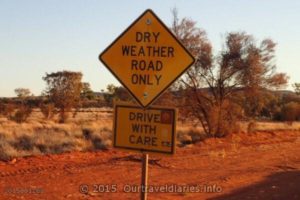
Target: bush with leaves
297 88
213 80
22 113
116 93
7 110
290 112
63 89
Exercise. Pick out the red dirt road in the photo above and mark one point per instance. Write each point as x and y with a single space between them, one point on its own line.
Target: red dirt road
258 166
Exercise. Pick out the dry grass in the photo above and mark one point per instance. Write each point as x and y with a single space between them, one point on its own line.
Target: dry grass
252 126
188 134
91 130
272 126
40 136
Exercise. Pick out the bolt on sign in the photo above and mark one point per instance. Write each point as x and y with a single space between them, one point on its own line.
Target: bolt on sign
150 130
146 58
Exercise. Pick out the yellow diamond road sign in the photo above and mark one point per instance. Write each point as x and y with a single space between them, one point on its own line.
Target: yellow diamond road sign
146 58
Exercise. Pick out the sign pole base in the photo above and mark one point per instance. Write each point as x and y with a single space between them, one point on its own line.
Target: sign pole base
144 176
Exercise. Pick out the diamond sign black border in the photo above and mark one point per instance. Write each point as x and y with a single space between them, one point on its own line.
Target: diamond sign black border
124 32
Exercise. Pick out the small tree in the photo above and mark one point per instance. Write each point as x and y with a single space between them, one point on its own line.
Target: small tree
116 93
297 88
87 92
111 88
211 84
63 89
22 113
22 92
290 112
7 110
122 94
109 95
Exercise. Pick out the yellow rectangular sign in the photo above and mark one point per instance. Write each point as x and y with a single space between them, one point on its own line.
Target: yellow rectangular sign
150 130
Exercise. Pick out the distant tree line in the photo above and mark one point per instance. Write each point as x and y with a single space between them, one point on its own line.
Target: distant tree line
61 97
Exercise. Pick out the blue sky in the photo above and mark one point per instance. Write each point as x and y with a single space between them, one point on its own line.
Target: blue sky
46 36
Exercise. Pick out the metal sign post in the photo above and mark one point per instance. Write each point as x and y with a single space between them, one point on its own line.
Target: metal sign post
144 183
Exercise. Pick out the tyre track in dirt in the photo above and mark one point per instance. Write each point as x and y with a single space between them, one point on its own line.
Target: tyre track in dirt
78 166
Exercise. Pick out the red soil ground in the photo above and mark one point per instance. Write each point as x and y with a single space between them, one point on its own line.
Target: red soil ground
257 166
